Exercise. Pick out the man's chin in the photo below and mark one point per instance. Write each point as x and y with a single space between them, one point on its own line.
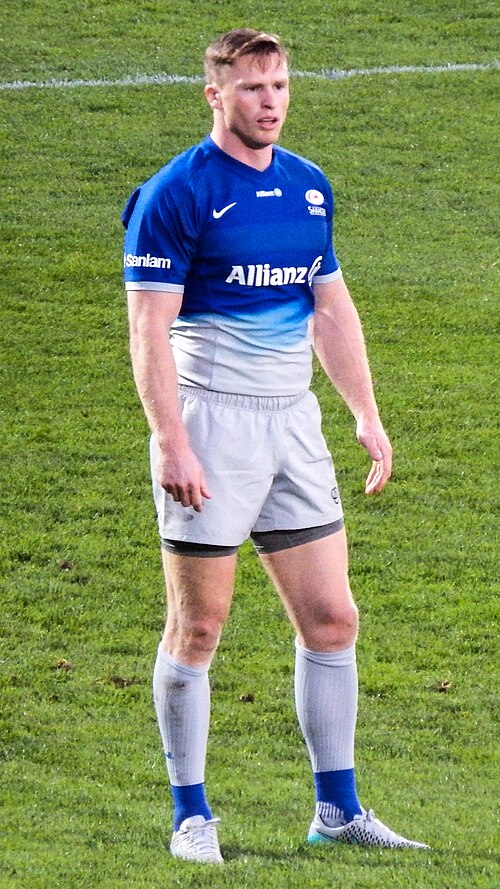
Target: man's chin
258 142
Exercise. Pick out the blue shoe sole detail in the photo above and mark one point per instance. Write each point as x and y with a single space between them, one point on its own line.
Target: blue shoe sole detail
316 839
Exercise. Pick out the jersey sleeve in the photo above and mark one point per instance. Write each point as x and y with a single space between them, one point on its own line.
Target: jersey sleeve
160 236
329 270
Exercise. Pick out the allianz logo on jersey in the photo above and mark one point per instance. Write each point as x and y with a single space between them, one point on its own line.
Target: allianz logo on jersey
262 275
130 260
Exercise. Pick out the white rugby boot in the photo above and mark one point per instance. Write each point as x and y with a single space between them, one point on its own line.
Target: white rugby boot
196 840
363 830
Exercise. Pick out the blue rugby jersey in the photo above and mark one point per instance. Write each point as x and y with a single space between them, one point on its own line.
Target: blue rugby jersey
243 247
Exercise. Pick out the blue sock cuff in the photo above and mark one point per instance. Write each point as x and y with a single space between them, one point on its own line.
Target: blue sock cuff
339 789
189 800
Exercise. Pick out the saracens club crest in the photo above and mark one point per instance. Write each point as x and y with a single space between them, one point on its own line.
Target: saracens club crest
315 200
313 196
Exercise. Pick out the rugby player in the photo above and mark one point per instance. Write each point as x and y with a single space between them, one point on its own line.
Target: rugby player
232 281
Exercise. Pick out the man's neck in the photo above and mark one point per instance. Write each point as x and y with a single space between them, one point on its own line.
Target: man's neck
258 158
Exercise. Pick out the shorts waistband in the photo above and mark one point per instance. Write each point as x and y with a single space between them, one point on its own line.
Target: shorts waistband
264 403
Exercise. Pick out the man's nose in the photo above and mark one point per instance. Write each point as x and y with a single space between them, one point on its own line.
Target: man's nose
268 97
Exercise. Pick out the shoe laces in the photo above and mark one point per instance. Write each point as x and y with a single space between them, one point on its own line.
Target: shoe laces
374 828
380 829
203 836
369 817
366 816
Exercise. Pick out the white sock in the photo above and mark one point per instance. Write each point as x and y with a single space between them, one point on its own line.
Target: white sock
326 699
330 815
182 702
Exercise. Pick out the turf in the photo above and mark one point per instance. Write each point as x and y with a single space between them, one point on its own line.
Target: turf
412 161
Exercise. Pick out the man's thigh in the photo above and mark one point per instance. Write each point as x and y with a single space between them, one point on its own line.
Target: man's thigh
312 581
199 595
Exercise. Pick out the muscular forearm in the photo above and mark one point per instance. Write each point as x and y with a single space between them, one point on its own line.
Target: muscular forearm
155 377
178 469
339 344
150 317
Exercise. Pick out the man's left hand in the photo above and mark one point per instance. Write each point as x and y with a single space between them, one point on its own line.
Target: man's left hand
373 437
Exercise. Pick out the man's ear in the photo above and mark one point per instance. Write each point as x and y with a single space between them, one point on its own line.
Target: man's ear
212 95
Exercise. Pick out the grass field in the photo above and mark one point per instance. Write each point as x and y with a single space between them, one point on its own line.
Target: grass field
413 159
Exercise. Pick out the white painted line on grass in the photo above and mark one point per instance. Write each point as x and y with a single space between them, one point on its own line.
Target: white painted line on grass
336 74
325 74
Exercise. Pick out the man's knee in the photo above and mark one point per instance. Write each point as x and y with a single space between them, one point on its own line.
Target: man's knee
346 623
193 641
203 635
334 629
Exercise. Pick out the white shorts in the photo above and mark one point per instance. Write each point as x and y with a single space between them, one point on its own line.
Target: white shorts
266 463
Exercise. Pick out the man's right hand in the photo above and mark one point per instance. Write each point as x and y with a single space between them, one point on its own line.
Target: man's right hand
180 473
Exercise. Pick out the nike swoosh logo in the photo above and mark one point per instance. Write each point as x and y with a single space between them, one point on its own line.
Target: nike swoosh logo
218 213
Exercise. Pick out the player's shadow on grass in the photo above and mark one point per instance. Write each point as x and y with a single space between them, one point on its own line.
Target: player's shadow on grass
240 853
374 857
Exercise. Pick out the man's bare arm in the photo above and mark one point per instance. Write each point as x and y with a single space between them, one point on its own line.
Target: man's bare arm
151 315
339 344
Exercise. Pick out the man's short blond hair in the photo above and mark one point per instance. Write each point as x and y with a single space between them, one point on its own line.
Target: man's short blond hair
229 47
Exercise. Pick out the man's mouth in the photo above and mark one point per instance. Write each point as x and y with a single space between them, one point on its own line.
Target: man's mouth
267 122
